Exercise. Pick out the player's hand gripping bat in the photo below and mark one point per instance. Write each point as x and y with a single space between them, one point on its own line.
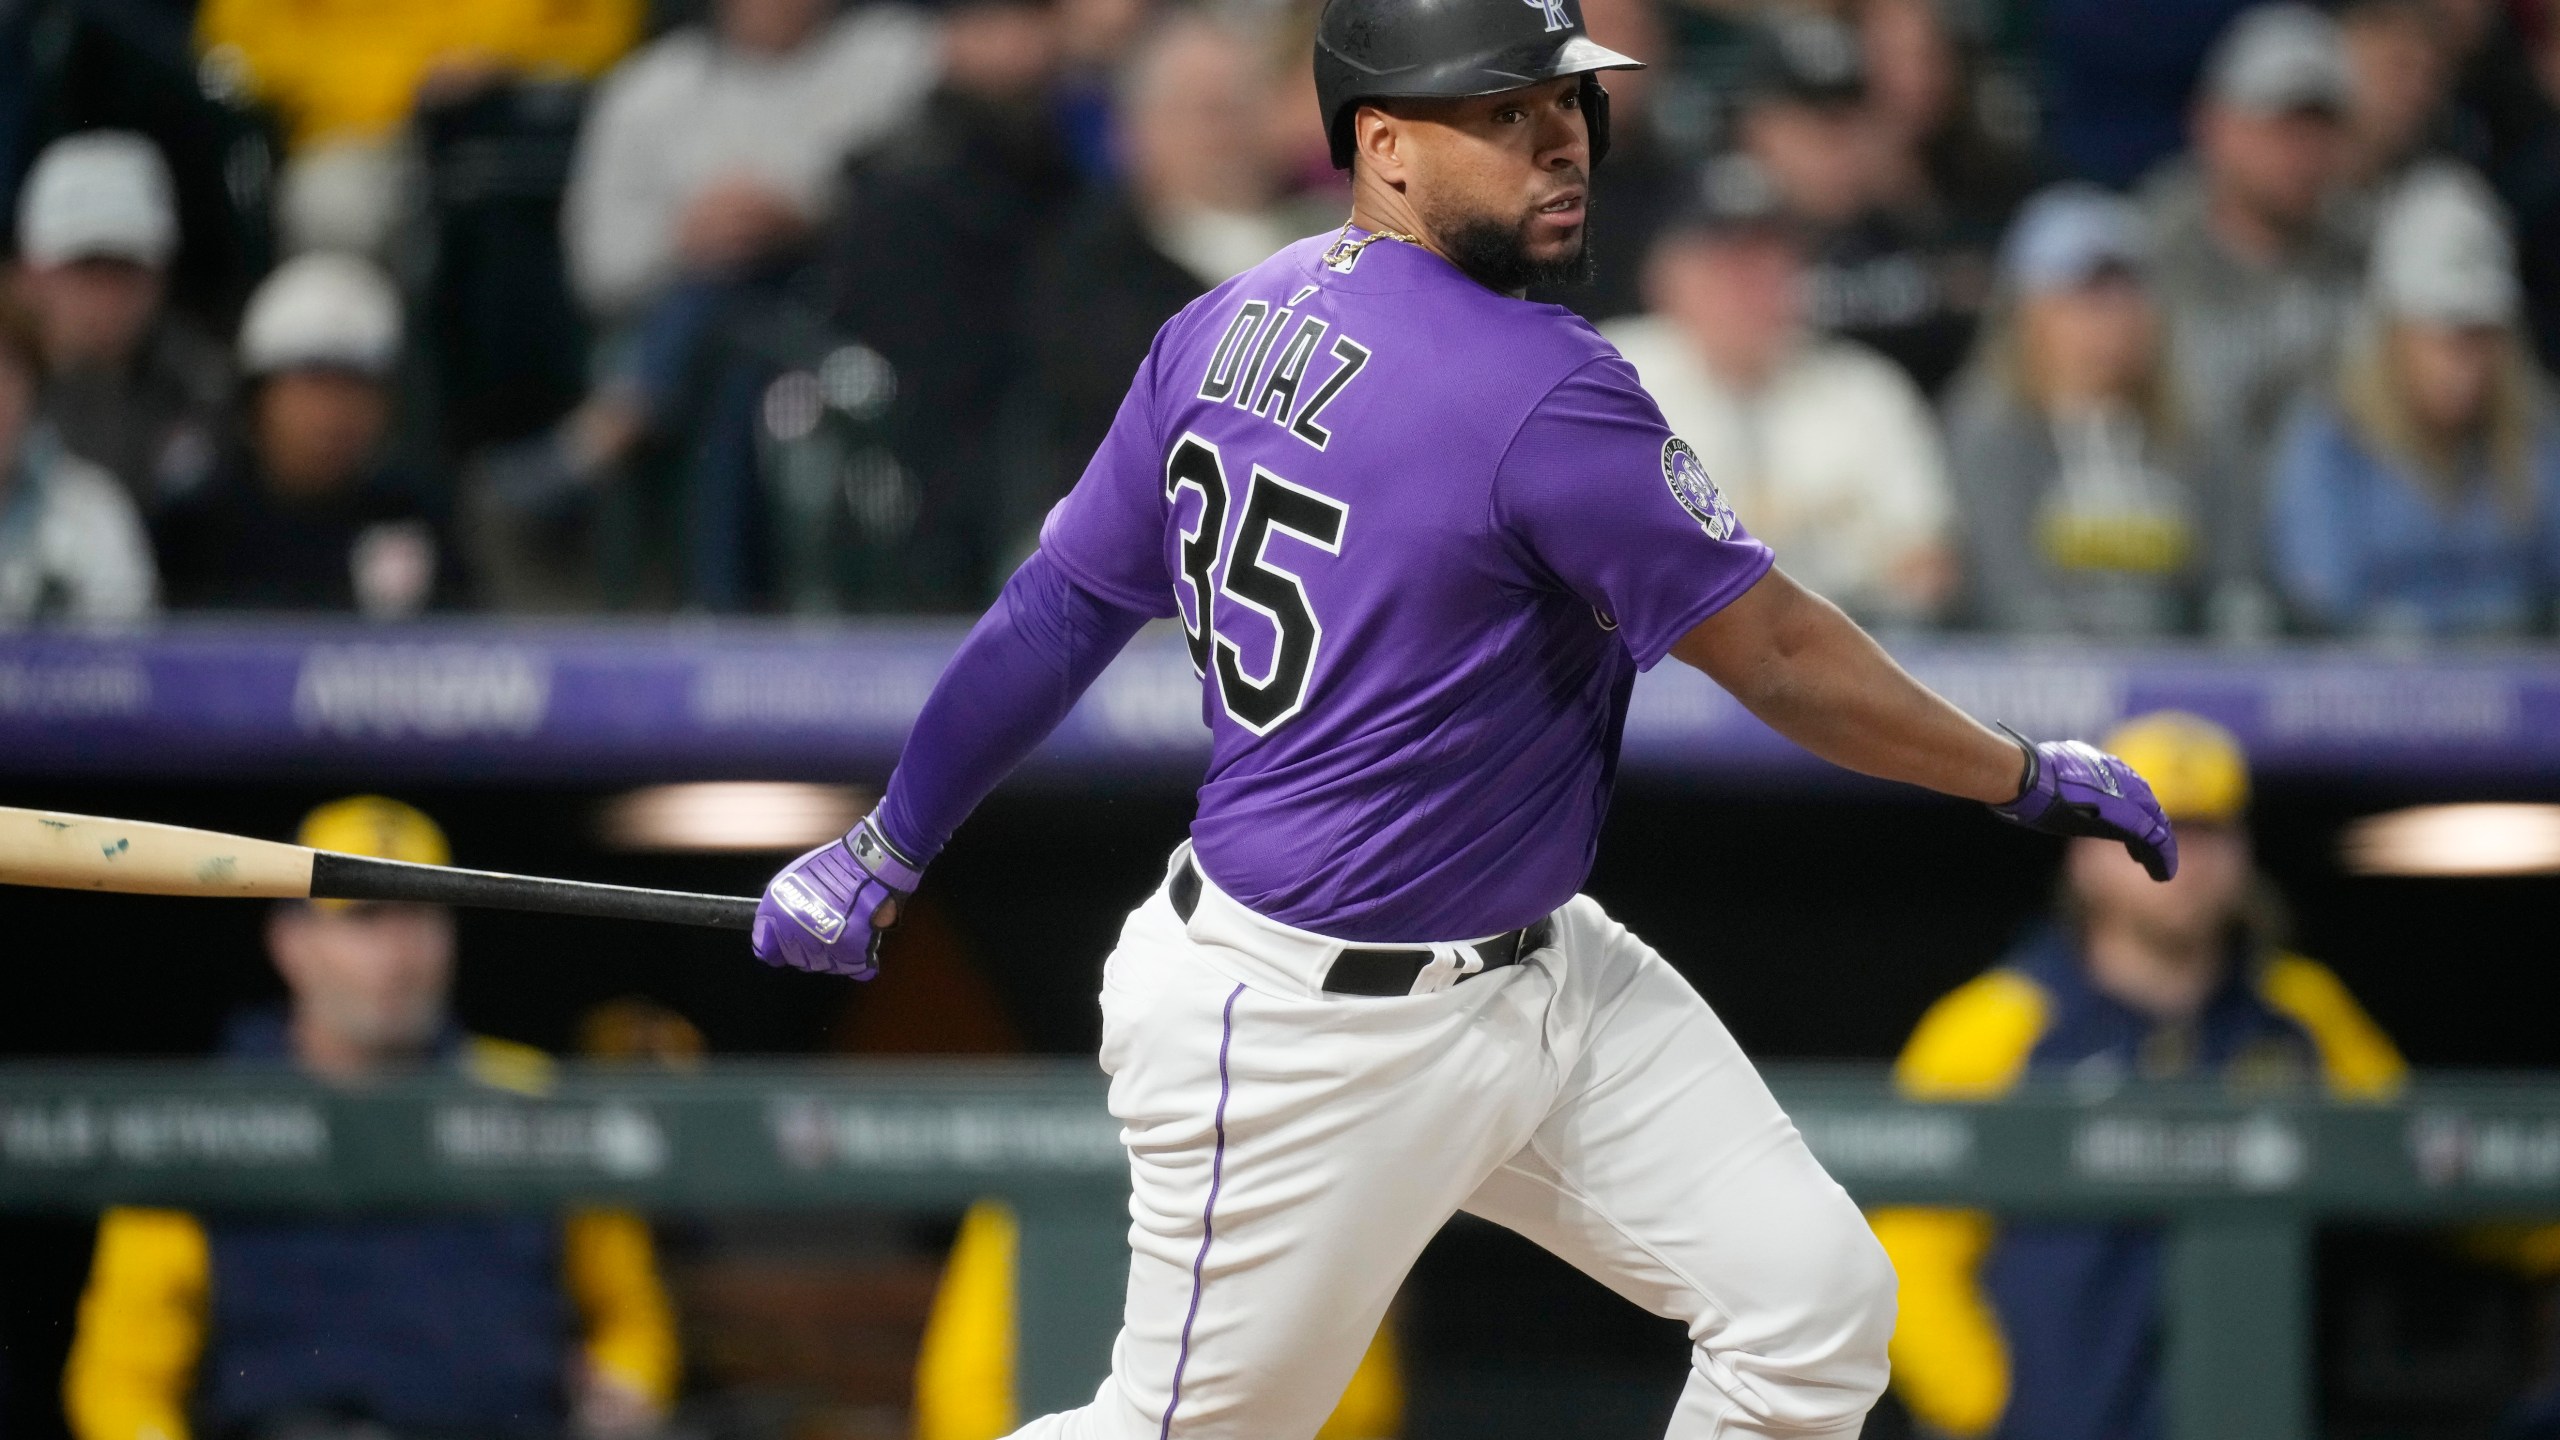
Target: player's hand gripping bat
134 857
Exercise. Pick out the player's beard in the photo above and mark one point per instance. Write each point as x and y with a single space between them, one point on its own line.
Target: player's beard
1497 255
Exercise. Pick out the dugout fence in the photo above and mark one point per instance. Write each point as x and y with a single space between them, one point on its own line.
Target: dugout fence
2241 1182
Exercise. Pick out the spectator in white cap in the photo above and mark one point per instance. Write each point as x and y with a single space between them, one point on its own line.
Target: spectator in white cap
2419 492
2073 476
2252 269
132 388
71 547
1826 448
305 513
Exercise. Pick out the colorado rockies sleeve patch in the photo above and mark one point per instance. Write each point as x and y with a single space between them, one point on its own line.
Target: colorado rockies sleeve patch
1687 476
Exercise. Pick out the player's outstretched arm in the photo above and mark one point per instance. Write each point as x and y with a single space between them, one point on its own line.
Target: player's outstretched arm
1813 676
1023 667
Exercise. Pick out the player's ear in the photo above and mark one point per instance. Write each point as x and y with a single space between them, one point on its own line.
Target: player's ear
1377 141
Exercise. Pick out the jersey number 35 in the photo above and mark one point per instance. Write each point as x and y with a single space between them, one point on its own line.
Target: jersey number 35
1260 703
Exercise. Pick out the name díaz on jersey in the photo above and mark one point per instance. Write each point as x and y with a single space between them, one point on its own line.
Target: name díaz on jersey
1257 371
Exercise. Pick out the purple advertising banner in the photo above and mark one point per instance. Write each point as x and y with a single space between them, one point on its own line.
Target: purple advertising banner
597 703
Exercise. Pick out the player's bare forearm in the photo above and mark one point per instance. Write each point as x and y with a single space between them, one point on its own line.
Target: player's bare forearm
1813 676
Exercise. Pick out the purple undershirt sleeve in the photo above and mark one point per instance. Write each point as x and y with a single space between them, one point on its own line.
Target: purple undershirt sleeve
1024 665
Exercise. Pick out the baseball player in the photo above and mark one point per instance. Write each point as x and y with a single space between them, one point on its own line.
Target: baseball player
1421 535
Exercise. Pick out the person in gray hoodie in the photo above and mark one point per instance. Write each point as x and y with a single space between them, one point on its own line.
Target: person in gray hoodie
2254 269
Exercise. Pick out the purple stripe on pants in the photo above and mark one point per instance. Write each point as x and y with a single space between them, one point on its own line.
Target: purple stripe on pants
1208 1213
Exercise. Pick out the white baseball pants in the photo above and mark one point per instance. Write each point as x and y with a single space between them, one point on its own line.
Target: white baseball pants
1291 1152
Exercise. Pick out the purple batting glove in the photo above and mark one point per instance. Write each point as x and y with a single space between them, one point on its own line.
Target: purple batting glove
816 914
2074 788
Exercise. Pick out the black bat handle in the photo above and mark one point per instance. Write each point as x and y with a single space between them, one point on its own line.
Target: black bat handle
358 877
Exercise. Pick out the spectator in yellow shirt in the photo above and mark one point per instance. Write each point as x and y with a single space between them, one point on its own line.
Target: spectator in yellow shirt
2050 1330
262 1325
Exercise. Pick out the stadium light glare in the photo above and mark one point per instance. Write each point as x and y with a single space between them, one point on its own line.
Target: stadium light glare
2456 840
730 815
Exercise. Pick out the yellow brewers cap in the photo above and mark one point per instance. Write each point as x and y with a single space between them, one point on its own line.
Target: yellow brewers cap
2195 767
380 829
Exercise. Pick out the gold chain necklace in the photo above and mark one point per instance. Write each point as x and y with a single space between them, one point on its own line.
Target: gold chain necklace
1344 250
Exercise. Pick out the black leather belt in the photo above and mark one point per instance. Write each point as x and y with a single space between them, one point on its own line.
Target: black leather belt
1384 969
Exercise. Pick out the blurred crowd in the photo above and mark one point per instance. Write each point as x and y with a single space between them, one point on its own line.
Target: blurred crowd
2043 317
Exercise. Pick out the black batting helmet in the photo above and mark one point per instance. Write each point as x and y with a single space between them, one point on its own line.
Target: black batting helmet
1388 49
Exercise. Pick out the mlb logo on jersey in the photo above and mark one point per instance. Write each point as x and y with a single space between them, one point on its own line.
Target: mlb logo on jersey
1554 10
806 906
1687 476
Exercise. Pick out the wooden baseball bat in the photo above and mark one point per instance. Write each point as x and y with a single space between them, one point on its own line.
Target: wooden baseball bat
137 857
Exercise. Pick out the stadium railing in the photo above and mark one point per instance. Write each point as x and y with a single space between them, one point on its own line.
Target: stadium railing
2240 1181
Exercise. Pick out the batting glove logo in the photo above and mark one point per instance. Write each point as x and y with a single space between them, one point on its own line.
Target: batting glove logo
2101 764
868 850
809 908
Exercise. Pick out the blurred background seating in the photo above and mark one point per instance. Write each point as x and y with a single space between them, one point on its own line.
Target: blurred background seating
750 306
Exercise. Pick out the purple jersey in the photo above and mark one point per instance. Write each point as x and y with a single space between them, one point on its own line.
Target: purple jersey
1422 536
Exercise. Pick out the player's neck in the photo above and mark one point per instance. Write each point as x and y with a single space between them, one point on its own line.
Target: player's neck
1381 209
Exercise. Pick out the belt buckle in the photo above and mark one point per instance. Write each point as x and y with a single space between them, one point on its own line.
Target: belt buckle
1436 967
1449 964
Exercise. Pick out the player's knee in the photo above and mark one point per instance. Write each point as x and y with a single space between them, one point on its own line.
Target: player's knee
1869 1295
1845 1342
1822 1365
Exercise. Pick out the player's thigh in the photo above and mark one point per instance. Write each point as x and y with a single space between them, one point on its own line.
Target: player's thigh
1289 1158
1668 1171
